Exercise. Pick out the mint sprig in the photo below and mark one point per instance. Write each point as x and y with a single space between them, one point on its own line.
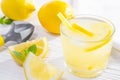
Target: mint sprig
19 55
26 52
32 49
5 20
2 20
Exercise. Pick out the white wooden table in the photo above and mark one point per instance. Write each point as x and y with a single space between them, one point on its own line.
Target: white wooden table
9 70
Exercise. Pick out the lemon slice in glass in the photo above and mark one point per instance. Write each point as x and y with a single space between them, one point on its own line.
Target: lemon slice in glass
103 33
74 27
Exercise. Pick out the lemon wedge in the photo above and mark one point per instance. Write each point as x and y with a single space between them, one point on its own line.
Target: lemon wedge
18 51
74 27
36 69
1 41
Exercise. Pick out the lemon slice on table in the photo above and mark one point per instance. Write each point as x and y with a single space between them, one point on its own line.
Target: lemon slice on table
19 52
36 69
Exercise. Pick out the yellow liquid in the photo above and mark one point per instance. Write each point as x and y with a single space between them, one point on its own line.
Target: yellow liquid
87 56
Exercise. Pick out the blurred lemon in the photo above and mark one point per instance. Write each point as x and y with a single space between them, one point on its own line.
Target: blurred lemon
17 9
48 15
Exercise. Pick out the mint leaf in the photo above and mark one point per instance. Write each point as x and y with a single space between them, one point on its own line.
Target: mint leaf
33 49
5 20
2 20
3 17
19 55
8 21
26 52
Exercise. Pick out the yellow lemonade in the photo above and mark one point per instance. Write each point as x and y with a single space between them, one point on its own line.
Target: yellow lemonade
87 56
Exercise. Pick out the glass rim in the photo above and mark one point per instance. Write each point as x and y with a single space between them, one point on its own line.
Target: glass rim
94 17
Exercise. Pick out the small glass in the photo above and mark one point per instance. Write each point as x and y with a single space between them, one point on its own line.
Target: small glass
86 57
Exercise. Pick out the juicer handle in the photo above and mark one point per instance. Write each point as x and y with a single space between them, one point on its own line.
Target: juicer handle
1 40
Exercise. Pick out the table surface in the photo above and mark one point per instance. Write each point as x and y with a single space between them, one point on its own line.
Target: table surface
9 70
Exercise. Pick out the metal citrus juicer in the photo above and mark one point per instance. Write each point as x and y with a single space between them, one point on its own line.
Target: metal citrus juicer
19 32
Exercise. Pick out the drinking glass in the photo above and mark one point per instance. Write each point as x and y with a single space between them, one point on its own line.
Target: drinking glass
85 57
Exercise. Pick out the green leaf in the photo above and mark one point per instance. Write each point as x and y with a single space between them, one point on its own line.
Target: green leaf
26 52
3 17
33 49
8 21
19 55
5 20
2 20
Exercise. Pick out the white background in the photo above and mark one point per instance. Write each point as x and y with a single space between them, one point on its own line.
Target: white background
110 9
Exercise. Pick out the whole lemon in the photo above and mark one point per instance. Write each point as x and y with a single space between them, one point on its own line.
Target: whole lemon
17 9
48 15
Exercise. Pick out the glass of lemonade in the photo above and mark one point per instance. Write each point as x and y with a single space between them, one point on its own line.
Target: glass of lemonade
87 56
